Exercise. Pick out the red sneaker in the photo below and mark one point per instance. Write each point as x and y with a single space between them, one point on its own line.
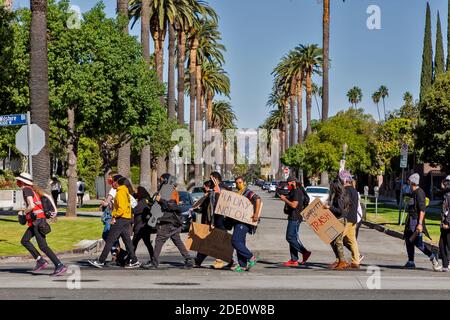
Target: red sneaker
306 256
291 263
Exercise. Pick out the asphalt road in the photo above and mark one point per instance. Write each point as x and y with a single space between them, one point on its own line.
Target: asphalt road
381 277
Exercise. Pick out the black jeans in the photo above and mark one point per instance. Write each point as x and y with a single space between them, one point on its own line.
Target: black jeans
42 243
417 243
444 246
143 233
122 228
165 232
55 195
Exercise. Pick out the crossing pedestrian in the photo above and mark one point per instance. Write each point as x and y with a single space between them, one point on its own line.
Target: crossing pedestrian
295 202
120 226
444 241
415 225
339 204
246 259
141 229
55 187
169 226
34 217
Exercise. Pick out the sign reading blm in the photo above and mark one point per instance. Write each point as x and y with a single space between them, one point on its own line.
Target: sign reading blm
322 221
235 206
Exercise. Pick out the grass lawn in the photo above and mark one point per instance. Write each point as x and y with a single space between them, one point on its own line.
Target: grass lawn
388 217
66 232
84 208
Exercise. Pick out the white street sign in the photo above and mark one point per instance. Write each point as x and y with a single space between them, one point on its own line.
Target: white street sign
37 136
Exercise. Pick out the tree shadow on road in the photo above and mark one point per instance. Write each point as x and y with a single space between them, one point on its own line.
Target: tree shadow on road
21 271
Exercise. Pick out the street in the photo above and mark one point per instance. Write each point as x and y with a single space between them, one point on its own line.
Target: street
381 276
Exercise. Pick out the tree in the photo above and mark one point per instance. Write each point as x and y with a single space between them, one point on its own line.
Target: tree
355 96
294 157
433 133
39 87
376 98
439 60
448 38
426 78
409 110
384 93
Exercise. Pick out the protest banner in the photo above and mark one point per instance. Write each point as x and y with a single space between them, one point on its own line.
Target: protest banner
322 221
210 241
235 206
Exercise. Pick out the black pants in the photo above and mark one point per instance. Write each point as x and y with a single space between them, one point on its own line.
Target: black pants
165 232
418 242
42 243
122 228
444 246
143 233
55 195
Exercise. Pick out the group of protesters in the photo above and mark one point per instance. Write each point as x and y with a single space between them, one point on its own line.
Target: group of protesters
126 215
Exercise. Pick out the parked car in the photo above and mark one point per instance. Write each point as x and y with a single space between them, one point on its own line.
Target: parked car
282 189
230 184
317 192
273 187
259 182
266 186
197 193
185 204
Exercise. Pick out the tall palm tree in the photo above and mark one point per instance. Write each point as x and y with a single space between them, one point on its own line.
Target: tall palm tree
312 57
315 93
278 99
376 97
39 87
355 96
124 154
384 92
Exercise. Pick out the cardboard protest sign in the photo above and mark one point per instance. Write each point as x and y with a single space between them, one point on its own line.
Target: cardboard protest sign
322 221
210 241
235 206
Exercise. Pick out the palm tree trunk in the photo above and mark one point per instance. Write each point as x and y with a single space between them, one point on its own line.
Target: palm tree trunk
384 109
199 118
326 54
145 160
72 147
124 154
193 82
378 110
181 61
286 124
292 115
39 88
308 103
300 108
171 76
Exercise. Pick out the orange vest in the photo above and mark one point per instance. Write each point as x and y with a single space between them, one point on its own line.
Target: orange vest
38 209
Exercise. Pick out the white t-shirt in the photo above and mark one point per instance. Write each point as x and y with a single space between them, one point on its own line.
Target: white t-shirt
112 192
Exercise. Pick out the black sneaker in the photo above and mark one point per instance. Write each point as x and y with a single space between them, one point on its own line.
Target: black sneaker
188 263
41 264
133 264
150 266
96 263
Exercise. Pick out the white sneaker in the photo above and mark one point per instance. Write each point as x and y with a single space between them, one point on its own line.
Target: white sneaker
435 263
96 263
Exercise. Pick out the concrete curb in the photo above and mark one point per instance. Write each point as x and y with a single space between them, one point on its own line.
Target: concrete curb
94 248
396 234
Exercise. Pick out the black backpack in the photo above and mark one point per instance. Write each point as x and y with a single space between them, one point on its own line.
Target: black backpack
305 198
47 207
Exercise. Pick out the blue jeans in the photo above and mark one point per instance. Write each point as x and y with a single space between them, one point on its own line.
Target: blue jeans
295 245
240 231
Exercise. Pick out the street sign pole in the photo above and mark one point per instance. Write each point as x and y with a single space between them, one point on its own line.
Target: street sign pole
403 165
401 199
30 157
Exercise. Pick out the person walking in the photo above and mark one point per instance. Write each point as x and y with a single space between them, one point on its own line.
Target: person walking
294 204
55 187
246 259
34 217
120 226
80 192
415 225
339 204
141 229
169 227
349 235
444 241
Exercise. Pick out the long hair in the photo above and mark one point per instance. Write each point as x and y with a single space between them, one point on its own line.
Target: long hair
142 194
338 192
39 191
125 182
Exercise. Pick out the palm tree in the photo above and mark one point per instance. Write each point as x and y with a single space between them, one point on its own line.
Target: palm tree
278 99
316 92
326 59
124 154
39 87
355 96
384 92
376 97
312 57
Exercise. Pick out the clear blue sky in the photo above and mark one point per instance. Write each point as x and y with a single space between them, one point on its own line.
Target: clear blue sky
257 33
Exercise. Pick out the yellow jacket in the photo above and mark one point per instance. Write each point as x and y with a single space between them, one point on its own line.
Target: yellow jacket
122 206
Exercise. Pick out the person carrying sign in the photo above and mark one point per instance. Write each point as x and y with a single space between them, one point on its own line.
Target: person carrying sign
415 225
294 204
444 241
246 259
